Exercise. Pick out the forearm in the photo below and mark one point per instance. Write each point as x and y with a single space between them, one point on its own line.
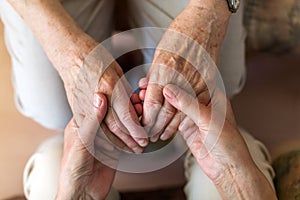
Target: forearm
245 183
206 22
220 7
57 32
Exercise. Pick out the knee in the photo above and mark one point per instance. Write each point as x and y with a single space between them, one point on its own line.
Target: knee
40 178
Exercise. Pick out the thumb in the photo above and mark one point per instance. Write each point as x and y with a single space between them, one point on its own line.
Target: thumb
100 106
185 103
90 125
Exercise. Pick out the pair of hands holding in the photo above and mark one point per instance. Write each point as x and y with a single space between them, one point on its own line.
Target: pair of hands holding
228 163
66 45
160 110
82 176
166 108
160 118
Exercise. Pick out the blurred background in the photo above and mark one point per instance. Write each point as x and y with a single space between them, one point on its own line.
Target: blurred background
19 136
268 107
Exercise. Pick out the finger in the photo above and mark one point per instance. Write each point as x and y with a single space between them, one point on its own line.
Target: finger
100 106
186 123
165 115
127 115
193 137
131 122
142 94
138 109
109 158
152 104
117 68
184 102
190 133
172 127
135 98
90 124
143 83
71 133
113 138
87 132
115 126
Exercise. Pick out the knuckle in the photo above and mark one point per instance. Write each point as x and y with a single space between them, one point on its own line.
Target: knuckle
152 107
107 84
168 115
154 94
150 101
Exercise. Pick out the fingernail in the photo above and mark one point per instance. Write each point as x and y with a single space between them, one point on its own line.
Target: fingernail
97 101
154 139
163 136
180 127
142 142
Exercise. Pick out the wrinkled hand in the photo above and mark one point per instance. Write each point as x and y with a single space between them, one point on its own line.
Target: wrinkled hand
81 175
226 148
121 119
221 152
67 47
225 145
177 60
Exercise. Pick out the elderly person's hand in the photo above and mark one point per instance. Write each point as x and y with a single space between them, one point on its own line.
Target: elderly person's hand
205 22
81 175
121 120
226 160
66 46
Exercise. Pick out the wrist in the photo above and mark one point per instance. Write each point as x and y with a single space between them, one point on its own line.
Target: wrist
213 9
71 52
68 58
65 186
62 40
244 182
206 22
220 7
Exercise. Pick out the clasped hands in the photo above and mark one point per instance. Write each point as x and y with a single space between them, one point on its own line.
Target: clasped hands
175 97
84 177
229 162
